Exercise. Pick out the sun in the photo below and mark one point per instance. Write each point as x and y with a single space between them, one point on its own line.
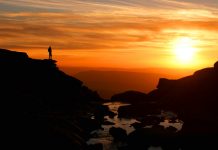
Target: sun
184 49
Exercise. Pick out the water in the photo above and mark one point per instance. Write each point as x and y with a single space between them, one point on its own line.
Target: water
103 136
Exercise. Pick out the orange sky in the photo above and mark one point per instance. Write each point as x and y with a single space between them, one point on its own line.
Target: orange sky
112 33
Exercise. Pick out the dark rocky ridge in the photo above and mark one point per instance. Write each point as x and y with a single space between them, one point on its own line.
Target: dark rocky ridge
43 106
193 98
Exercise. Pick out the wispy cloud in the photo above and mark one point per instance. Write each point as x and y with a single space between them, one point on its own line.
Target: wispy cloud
106 26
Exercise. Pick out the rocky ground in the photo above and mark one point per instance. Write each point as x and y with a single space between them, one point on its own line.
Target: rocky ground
194 100
43 106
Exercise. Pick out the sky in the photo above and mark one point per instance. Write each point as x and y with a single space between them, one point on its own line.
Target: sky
113 33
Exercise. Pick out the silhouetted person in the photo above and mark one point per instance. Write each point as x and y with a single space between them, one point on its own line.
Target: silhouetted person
50 52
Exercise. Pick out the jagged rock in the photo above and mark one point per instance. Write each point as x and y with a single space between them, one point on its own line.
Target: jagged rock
137 125
156 136
102 111
193 98
171 129
118 134
151 120
88 124
135 110
37 97
108 123
95 147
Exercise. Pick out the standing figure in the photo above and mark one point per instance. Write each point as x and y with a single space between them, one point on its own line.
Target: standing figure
50 52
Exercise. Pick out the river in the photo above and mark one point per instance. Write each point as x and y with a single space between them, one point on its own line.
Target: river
102 135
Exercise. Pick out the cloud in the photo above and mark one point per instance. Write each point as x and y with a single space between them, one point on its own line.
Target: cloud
212 3
79 31
100 26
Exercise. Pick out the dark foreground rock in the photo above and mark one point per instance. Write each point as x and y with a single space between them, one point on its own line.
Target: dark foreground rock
194 99
118 134
138 110
44 107
157 136
131 97
95 147
168 139
108 123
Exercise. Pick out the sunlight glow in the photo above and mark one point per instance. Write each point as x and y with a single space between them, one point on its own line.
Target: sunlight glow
184 50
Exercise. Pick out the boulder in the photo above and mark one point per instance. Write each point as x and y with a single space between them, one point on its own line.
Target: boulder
138 111
118 134
95 147
143 138
130 97
108 123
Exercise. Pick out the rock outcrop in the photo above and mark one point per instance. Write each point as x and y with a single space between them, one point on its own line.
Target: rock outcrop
130 97
43 106
194 99
118 134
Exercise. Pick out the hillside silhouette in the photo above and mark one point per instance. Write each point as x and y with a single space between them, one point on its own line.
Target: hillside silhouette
43 106
194 99
46 108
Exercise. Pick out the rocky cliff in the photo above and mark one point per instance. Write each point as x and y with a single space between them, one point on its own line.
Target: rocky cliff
42 105
194 98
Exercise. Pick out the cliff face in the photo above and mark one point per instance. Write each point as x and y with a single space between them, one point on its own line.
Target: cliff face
42 80
194 98
43 103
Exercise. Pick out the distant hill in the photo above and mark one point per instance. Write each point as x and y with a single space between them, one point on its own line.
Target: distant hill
108 83
130 97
